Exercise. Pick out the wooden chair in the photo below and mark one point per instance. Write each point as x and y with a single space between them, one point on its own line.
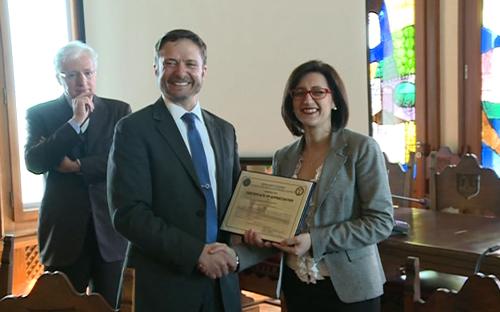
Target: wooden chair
54 292
460 187
399 182
438 160
479 293
428 281
466 188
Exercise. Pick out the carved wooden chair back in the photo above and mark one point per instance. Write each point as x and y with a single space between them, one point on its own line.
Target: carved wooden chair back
479 293
438 160
54 292
466 188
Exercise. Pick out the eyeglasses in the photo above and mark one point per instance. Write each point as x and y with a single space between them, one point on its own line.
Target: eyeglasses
316 93
72 75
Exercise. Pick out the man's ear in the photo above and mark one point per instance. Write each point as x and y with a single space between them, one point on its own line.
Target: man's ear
204 71
155 69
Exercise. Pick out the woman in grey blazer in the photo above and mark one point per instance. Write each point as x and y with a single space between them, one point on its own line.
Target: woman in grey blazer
334 264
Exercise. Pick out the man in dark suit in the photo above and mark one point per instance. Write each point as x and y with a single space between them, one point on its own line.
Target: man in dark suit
163 193
68 141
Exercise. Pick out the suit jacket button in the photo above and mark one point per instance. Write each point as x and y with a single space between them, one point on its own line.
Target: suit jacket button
200 213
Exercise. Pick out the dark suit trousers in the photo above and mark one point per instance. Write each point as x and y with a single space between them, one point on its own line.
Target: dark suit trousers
91 270
319 297
213 299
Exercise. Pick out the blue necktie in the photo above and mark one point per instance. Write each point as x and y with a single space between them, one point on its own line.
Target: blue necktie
200 165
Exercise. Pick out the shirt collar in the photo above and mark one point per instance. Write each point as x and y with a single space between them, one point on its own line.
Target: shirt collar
177 111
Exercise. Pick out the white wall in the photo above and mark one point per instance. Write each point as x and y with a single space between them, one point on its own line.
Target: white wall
252 48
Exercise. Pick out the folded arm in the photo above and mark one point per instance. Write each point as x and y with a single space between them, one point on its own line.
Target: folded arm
45 151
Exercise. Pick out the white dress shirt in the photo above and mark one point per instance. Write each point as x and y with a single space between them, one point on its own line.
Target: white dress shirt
177 112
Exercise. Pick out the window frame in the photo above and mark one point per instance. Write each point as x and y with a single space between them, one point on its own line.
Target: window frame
11 205
469 71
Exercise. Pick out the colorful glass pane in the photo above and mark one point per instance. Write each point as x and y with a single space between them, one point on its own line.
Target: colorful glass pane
391 37
490 91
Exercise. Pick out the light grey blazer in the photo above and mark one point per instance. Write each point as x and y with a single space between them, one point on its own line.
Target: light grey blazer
354 212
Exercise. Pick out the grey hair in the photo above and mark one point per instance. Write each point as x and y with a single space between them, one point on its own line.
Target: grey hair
72 50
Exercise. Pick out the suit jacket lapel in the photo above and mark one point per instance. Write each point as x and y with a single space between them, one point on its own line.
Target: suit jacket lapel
289 162
166 126
334 161
216 139
63 112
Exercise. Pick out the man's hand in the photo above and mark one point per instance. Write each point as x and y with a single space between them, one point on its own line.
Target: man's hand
82 107
217 260
297 245
219 247
67 166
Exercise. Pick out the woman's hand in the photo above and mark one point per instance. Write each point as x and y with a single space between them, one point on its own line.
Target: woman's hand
297 245
252 238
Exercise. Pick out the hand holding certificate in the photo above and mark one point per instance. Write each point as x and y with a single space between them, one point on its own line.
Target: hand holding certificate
273 206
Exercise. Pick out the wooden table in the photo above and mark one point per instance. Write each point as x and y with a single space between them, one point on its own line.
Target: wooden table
444 242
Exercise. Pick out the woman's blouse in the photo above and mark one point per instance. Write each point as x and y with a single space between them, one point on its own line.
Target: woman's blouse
305 267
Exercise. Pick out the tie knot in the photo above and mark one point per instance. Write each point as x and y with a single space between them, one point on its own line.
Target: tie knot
189 118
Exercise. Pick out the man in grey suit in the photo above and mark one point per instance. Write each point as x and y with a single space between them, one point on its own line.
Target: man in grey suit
172 169
68 141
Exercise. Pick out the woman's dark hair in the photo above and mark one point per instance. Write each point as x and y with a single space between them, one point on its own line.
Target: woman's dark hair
336 85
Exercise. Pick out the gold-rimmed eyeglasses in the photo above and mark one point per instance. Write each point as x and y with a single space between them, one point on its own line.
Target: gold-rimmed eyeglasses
72 75
316 93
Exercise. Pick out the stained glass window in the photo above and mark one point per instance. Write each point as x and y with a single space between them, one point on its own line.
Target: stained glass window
391 40
490 93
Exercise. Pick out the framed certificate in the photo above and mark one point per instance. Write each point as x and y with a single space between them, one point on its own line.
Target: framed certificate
273 206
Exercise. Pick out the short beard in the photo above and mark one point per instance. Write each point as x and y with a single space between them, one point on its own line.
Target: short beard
180 98
176 99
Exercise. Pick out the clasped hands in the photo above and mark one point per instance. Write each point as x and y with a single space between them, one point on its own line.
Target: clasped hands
217 260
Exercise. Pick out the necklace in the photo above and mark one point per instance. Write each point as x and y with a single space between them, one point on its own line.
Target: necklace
311 162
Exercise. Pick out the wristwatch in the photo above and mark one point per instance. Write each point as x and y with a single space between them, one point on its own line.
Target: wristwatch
237 263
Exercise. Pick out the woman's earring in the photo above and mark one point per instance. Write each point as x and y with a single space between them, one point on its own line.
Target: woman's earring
334 107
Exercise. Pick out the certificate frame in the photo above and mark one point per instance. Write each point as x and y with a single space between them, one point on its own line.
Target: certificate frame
274 206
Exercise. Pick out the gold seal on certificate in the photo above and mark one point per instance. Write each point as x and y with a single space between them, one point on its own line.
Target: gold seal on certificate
271 205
